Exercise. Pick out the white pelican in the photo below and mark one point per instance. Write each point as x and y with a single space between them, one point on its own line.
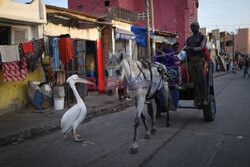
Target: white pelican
76 114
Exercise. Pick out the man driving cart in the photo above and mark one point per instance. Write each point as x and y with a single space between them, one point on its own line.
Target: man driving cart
196 56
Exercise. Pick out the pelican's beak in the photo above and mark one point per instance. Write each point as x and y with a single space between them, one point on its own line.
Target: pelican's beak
81 80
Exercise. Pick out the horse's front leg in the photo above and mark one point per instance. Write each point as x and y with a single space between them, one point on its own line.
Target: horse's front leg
134 148
147 136
166 95
140 104
153 118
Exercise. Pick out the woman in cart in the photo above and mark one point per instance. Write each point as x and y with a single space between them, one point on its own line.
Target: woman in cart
167 60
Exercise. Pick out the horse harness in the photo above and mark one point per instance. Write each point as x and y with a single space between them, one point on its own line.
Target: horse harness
151 80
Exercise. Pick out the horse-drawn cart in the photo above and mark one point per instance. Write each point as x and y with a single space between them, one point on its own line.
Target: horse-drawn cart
148 85
187 92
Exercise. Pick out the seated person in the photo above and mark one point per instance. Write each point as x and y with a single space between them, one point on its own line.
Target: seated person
179 56
167 60
122 91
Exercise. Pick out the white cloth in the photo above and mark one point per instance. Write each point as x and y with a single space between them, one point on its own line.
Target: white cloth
9 53
181 55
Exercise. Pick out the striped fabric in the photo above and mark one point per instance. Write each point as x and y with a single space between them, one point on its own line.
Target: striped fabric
12 72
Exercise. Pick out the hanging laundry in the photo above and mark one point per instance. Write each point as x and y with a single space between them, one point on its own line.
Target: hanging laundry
38 50
56 54
12 72
28 47
66 50
33 57
9 53
21 55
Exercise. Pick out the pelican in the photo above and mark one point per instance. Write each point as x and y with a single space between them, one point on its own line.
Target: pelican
76 114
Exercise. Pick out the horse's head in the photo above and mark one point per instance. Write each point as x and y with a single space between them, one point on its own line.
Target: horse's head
114 71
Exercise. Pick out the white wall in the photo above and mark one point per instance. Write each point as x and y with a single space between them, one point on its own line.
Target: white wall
51 29
124 26
23 12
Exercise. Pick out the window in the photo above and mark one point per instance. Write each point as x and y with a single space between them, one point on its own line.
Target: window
79 7
19 36
4 35
229 43
195 18
106 3
191 18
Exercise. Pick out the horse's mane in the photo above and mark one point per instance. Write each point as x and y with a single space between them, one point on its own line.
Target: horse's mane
128 58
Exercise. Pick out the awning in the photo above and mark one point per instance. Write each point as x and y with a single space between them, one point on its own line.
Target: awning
124 34
141 33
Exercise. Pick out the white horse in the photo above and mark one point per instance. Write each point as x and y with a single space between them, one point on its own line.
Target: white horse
143 85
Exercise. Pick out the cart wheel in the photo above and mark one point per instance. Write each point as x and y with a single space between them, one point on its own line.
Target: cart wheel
159 108
210 110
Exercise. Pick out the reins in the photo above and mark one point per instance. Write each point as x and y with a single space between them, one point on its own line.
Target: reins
130 78
169 54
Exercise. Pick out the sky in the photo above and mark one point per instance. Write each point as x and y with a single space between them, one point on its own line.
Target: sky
60 3
227 15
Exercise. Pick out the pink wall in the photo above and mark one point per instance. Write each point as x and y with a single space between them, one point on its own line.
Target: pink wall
91 6
241 41
169 15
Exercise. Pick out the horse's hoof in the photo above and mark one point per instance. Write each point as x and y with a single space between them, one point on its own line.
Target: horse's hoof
168 124
78 140
153 131
147 136
134 150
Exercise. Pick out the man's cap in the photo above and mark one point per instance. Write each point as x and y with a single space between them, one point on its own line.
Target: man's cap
165 41
195 24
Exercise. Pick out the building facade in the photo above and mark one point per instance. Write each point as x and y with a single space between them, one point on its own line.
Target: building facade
240 40
171 16
19 23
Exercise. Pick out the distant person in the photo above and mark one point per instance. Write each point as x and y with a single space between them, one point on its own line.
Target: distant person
246 66
122 91
196 63
218 67
227 63
231 65
234 67
240 65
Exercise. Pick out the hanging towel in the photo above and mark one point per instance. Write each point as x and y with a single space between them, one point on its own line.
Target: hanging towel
9 53
12 72
56 54
28 47
66 50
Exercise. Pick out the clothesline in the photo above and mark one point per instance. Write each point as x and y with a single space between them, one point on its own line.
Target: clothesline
18 59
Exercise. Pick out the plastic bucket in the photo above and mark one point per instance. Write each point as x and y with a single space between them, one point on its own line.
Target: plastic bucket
58 92
58 103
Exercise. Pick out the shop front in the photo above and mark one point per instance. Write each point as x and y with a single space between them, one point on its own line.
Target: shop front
81 54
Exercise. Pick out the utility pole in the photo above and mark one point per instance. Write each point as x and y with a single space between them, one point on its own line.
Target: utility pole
233 48
153 28
148 30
